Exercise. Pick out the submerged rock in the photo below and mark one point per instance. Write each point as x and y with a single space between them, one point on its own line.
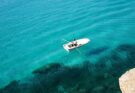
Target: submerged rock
100 77
47 68
13 87
127 82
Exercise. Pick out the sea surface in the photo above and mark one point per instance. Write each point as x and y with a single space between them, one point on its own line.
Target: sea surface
32 33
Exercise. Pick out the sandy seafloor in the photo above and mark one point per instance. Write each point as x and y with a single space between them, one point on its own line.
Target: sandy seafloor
32 58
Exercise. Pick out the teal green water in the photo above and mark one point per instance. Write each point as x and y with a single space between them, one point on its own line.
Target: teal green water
32 32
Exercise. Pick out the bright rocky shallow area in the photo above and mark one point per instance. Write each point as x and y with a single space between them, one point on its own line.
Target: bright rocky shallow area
101 77
127 82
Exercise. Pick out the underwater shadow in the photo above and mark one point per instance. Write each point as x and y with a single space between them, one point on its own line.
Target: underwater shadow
97 51
101 77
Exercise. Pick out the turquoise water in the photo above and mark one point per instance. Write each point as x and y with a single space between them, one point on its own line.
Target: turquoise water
32 32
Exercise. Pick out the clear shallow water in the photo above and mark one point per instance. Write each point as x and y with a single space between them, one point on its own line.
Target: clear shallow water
31 32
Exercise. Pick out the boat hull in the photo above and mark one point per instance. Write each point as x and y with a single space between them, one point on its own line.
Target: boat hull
80 42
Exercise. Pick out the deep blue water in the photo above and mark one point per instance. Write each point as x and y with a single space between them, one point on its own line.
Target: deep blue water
32 32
